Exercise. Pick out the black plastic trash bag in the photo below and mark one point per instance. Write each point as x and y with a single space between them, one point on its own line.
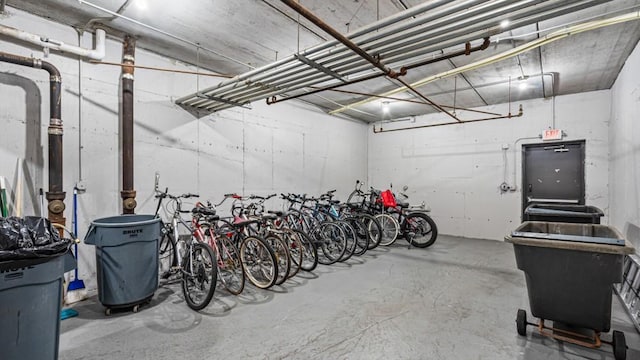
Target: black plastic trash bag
28 238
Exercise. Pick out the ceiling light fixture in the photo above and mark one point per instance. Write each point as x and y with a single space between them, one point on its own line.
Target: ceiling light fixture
523 86
385 107
504 23
141 4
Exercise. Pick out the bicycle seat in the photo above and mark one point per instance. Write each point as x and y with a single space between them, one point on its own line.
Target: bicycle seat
403 205
276 212
203 211
335 202
242 222
269 216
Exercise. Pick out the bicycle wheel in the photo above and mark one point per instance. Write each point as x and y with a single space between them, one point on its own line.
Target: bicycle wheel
230 270
419 229
374 230
331 240
296 251
199 273
390 228
279 248
259 262
352 240
309 253
362 240
166 256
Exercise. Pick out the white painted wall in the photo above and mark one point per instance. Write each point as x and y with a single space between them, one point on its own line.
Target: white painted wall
457 169
624 149
279 148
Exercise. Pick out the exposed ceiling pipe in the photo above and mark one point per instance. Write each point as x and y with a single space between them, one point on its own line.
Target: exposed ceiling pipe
350 66
113 13
160 69
55 195
467 51
555 36
390 73
380 25
97 53
438 38
509 116
338 36
128 193
254 89
3 3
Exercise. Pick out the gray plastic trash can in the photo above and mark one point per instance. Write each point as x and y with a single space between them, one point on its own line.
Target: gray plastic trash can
126 258
582 214
30 303
570 269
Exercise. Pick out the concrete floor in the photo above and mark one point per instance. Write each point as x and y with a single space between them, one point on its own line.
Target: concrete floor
455 300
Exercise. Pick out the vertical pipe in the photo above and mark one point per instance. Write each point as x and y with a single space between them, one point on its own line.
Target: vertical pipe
128 193
55 195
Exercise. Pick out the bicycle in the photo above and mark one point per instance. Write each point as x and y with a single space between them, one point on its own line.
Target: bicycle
186 256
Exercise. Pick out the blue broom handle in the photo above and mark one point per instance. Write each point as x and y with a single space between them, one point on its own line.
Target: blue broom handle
75 228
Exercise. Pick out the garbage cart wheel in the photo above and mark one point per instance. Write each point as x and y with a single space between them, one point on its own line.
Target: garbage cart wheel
136 308
521 322
107 311
619 345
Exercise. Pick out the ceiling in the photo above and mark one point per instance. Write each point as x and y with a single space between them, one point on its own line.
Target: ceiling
235 37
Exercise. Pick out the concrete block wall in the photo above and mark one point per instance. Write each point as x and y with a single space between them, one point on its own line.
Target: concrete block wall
280 148
457 169
624 145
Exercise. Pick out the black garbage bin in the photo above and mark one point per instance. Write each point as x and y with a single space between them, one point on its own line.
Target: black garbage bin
126 259
582 214
570 270
33 260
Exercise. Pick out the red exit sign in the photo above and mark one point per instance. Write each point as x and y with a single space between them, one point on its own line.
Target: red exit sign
552 134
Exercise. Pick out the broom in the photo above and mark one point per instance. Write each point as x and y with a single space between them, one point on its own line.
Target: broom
76 290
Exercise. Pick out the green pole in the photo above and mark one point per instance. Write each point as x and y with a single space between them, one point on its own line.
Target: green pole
3 198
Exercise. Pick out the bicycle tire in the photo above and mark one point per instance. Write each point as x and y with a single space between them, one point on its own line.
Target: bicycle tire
419 229
259 262
310 253
230 271
362 240
166 256
374 231
198 271
296 251
390 228
352 240
283 258
331 242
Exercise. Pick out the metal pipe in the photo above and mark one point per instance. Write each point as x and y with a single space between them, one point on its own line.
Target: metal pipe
437 43
55 196
3 3
162 32
160 69
97 53
377 26
406 100
128 193
520 112
468 50
510 53
351 62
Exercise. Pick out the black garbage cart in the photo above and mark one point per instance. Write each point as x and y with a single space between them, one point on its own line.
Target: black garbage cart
584 214
570 270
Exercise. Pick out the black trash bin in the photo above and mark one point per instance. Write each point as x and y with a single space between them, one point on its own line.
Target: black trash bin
33 260
126 259
570 270
582 214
